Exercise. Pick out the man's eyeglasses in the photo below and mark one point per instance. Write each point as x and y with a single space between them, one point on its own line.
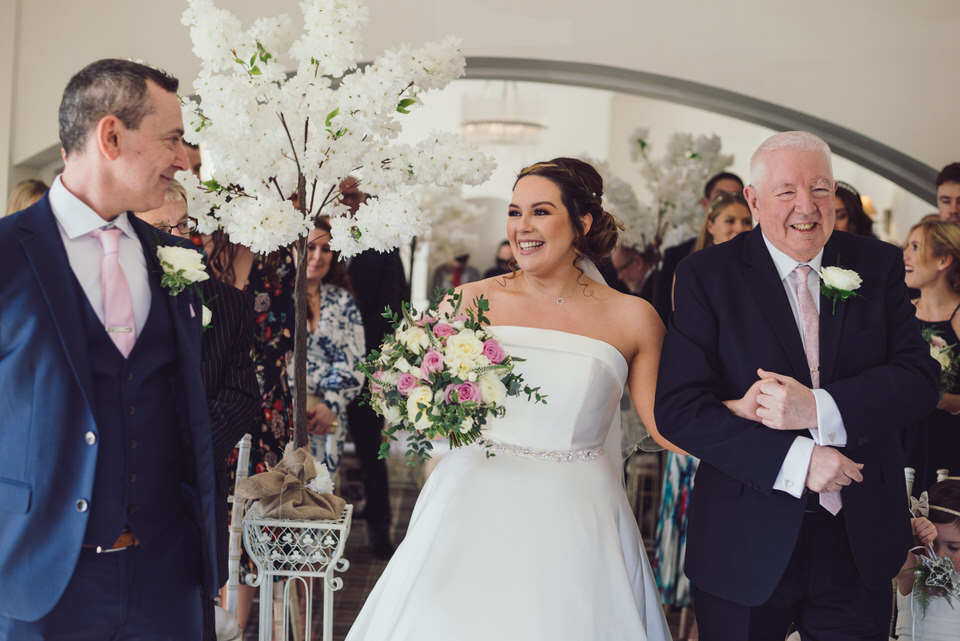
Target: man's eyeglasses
185 227
624 266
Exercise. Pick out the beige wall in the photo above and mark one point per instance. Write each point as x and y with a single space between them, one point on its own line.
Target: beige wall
883 68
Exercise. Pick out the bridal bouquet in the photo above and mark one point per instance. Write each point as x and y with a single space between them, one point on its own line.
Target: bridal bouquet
440 376
943 354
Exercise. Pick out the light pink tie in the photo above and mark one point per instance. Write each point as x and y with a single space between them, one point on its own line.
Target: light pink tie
810 320
117 304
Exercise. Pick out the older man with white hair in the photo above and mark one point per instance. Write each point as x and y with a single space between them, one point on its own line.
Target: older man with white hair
791 363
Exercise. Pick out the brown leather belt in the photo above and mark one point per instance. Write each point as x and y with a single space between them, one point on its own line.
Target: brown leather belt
127 539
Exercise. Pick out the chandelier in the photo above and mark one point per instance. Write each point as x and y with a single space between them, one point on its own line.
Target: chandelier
499 115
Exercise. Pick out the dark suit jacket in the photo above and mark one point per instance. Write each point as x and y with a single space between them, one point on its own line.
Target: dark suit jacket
226 366
731 317
377 279
46 464
671 258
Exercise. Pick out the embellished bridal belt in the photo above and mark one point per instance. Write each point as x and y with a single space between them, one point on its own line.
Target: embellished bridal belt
556 456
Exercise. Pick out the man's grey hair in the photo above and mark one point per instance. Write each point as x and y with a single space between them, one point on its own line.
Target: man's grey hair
793 140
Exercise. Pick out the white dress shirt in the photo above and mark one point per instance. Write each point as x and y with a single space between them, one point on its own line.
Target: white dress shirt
829 429
76 220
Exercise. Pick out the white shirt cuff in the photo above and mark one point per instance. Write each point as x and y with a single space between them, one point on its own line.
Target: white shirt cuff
793 473
831 429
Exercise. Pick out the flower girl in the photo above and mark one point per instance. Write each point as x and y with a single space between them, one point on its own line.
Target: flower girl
928 592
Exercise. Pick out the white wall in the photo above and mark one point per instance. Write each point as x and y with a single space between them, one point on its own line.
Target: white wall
884 68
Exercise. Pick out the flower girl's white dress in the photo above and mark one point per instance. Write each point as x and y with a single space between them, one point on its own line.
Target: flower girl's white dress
537 542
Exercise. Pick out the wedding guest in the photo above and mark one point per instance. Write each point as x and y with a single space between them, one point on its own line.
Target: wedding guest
749 364
504 258
233 396
850 214
727 216
931 258
334 347
269 281
937 525
378 281
637 270
106 458
948 193
555 482
193 156
454 273
722 182
24 194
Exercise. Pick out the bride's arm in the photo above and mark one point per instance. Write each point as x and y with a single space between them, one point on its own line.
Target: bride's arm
642 377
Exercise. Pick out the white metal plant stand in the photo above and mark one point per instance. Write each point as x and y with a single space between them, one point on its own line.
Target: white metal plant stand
299 551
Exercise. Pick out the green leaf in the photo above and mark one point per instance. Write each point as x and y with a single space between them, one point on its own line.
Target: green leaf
212 185
255 71
253 59
330 116
403 106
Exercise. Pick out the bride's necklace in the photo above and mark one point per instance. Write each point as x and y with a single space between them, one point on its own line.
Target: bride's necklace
560 300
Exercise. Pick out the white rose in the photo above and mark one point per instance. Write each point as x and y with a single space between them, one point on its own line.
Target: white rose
392 414
462 348
492 389
466 425
941 356
206 316
839 278
402 365
419 396
414 338
175 259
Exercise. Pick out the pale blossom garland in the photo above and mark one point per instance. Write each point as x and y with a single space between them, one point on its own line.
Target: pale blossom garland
675 183
263 130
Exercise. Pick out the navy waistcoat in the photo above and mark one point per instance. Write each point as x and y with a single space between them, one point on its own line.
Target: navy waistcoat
140 464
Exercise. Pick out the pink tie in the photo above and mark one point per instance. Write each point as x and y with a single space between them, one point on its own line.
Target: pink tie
810 320
117 305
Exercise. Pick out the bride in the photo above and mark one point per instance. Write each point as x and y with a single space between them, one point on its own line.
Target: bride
538 542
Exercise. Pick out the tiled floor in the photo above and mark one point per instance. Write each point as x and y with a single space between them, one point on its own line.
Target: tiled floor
365 569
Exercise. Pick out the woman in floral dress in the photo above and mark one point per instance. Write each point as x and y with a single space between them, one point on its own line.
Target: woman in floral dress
335 345
932 262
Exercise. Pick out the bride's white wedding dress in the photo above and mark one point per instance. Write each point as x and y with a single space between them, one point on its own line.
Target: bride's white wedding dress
538 541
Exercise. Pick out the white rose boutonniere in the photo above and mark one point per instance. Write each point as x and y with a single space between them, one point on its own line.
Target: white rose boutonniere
182 268
839 284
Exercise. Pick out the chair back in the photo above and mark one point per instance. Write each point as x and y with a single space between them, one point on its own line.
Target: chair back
236 527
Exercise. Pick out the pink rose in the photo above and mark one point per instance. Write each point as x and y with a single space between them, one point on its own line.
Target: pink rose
442 330
432 362
468 391
493 351
377 375
406 383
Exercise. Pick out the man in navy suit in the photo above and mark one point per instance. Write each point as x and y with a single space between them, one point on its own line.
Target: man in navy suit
799 507
106 467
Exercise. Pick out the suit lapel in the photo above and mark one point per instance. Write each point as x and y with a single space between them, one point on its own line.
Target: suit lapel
179 307
764 283
831 323
48 258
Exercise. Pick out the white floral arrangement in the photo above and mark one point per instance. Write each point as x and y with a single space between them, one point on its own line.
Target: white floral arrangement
675 183
839 284
450 219
282 114
441 376
944 354
182 268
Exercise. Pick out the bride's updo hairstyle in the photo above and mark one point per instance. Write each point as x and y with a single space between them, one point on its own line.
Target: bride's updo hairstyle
581 190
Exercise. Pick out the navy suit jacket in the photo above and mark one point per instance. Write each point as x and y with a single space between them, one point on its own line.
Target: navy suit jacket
47 461
732 316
